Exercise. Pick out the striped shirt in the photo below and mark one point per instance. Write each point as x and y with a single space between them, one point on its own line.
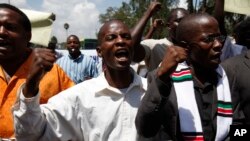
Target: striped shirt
82 68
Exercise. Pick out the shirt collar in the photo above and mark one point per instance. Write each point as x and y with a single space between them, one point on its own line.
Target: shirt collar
104 86
220 71
78 58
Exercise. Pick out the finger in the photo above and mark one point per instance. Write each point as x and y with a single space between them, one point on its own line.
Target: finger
48 57
45 55
47 66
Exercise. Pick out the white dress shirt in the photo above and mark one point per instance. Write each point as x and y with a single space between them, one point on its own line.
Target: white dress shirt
89 111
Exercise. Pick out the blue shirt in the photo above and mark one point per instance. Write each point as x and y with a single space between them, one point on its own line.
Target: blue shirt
230 49
79 69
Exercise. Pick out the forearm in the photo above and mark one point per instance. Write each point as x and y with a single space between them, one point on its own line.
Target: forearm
150 33
137 33
29 123
47 121
138 29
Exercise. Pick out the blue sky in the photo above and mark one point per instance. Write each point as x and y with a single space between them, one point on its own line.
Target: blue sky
81 15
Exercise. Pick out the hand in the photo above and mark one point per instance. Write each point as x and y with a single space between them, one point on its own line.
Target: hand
42 62
173 56
158 23
155 6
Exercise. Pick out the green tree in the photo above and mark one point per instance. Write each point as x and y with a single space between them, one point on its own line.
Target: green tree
124 13
132 11
230 19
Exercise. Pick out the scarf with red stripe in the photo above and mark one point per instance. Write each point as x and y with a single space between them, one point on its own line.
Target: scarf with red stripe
190 122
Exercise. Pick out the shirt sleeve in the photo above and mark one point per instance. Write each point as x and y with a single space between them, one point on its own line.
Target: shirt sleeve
147 45
52 121
28 120
149 119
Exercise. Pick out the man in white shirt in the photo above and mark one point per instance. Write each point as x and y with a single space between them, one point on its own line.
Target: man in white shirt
100 109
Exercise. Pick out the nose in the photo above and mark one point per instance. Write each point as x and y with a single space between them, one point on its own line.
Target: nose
119 38
120 41
217 45
3 31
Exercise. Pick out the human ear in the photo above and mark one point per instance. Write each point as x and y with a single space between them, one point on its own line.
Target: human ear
99 51
183 44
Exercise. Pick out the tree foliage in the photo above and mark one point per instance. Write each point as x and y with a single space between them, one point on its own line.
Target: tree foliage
132 11
231 19
124 13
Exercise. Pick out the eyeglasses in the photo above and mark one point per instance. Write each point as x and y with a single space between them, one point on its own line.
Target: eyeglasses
208 39
211 38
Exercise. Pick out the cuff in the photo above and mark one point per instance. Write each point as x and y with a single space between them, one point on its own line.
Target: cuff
26 103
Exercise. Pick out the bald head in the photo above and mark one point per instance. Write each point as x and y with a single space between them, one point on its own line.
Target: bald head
191 25
107 25
177 13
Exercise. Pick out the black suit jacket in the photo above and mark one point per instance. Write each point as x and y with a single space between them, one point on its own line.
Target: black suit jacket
238 70
159 109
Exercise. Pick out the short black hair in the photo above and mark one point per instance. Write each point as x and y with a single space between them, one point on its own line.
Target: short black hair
241 32
242 26
186 27
72 35
100 33
24 20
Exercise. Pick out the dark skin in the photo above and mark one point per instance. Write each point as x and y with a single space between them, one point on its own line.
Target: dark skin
199 46
157 24
137 31
173 21
43 60
200 54
115 48
174 18
13 41
73 46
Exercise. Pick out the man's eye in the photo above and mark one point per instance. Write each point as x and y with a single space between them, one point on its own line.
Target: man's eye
208 39
10 27
110 37
126 36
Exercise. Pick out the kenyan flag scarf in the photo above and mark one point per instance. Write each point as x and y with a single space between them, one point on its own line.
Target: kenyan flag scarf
188 111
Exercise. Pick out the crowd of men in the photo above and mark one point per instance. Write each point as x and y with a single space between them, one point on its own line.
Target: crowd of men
196 86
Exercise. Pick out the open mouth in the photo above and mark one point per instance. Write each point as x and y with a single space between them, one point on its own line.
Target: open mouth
4 45
122 55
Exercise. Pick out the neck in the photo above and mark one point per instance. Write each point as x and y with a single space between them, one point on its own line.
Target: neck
203 74
11 68
119 79
75 55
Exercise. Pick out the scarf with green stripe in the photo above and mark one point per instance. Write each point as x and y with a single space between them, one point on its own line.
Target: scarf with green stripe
190 122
